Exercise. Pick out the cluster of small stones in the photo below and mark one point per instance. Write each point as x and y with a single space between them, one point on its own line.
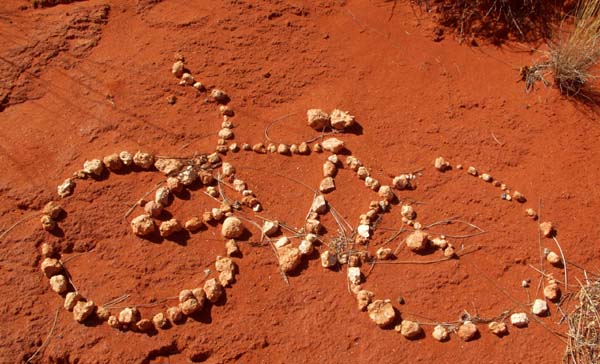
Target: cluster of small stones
200 171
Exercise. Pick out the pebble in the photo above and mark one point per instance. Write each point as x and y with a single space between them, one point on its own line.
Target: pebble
289 258
259 148
409 329
270 228
174 314
66 188
441 164
71 300
51 267
329 169
83 310
386 193
232 247
328 259
294 149
439 243
232 228
93 167
486 177
327 185
317 119
333 145
187 177
363 298
341 120
519 319
305 247
48 250
113 322
372 183
384 253
319 205
554 259
234 147
113 162
540 307
153 208
159 320
174 185
59 284
47 222
281 242
143 160
518 196
216 213
381 312
547 229
531 213
168 166
362 172
440 333
467 331
353 163
198 86
303 149
143 225
190 306
472 171
418 240
313 226
126 158
408 212
206 178
226 134
186 79
102 313
213 290
401 182
363 230
144 325
354 275
552 291
317 148
169 228
226 110
177 69
219 96
128 316
498 328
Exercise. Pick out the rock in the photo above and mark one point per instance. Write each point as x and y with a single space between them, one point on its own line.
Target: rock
160 321
47 222
364 297
232 228
372 183
206 178
226 110
341 120
303 149
554 259
539 308
227 169
319 205
409 329
547 229
449 251
467 331
486 177
126 158
232 248
219 96
153 208
328 259
317 148
386 193
143 160
329 169
401 182
313 226
144 325
51 267
190 306
353 163
440 243
440 333
71 300
289 258
224 264
363 230
226 134
168 166
283 149
234 147
418 240
177 69
518 196
384 253
113 162
53 209
142 225
317 119
305 247
128 316
381 312
362 172
59 284
270 228
354 275
194 224
175 315
259 148
169 228
441 164
66 188
239 185
281 242
102 313
93 167
83 310
498 328
408 212
472 171
333 145
519 319
198 86
552 291
327 185
48 250
213 290
187 177
113 322
163 196
186 79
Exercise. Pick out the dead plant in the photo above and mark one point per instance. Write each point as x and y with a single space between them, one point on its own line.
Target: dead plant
583 346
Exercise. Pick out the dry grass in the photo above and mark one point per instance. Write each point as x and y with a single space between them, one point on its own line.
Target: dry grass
584 327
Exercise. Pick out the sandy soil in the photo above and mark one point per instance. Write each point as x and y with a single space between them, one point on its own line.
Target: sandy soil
91 78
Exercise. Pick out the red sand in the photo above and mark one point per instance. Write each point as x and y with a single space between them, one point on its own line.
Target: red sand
415 99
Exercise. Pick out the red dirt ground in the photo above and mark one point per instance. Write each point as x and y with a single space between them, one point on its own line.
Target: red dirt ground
415 99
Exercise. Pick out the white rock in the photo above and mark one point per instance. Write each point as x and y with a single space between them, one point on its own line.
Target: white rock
363 298
319 205
71 300
372 183
408 212
169 228
354 276
317 119
281 242
486 177
439 243
153 208
219 96
168 166
327 185
159 320
333 145
83 310
363 230
188 176
226 134
174 314
311 238
162 196
381 312
334 159
553 258
129 316
186 79
328 259
353 163
547 229
227 169
213 290
142 225
362 172
270 228
289 258
341 120
177 69
94 167
113 162
440 333
51 267
552 291
329 169
386 193
417 240
126 158
384 253
401 182
143 160
519 319
441 164
66 188
239 185
467 331
498 328
305 247
59 283
472 171
409 329
232 228
540 307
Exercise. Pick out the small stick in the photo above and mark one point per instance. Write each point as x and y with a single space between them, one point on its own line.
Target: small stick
496 139
540 251
117 300
273 123
47 337
22 220
564 262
